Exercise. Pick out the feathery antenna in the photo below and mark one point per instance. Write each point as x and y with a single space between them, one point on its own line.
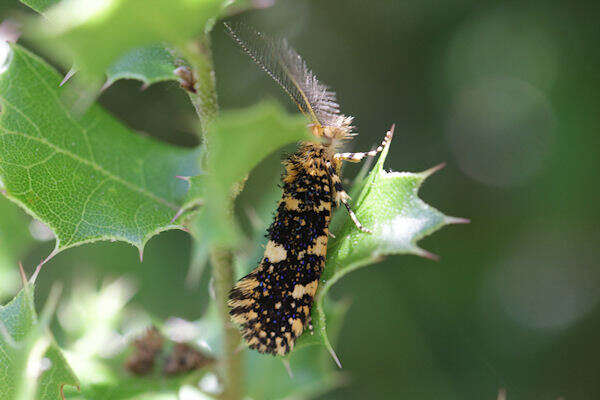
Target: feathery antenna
285 66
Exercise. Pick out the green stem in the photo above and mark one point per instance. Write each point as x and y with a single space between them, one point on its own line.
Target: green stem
222 262
199 56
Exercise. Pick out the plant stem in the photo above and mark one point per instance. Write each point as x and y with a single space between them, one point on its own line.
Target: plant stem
199 55
223 274
204 99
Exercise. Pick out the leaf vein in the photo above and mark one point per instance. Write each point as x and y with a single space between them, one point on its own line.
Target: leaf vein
61 105
94 166
85 203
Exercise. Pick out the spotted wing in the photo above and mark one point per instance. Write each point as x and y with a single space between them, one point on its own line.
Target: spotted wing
273 303
273 306
282 63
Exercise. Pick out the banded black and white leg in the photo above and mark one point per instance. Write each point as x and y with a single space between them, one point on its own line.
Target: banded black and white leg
357 157
340 196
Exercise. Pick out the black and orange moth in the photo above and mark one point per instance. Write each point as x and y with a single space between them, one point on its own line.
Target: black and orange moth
272 304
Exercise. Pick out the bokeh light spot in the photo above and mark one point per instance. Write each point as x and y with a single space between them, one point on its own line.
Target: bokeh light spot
4 56
40 231
501 131
503 42
548 282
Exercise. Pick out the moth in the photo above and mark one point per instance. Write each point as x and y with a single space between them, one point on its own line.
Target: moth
272 304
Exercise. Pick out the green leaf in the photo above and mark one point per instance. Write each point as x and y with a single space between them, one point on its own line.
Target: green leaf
389 205
195 196
149 64
94 34
335 312
33 366
87 178
40 5
198 263
238 141
15 240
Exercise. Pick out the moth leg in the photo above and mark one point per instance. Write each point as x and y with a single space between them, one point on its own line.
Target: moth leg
355 219
341 196
357 157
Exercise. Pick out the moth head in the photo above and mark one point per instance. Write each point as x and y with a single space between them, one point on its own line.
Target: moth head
339 128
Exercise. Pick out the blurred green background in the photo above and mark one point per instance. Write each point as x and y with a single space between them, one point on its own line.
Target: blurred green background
507 93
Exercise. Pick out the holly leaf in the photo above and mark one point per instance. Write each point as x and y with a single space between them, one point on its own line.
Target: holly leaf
195 196
33 366
150 61
149 64
87 178
389 205
336 311
93 35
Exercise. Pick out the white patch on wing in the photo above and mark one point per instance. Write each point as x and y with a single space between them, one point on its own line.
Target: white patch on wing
275 252
309 289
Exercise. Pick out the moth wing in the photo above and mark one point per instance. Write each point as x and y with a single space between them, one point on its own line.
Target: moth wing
271 310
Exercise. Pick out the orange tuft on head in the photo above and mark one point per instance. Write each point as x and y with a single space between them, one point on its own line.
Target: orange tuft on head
339 129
